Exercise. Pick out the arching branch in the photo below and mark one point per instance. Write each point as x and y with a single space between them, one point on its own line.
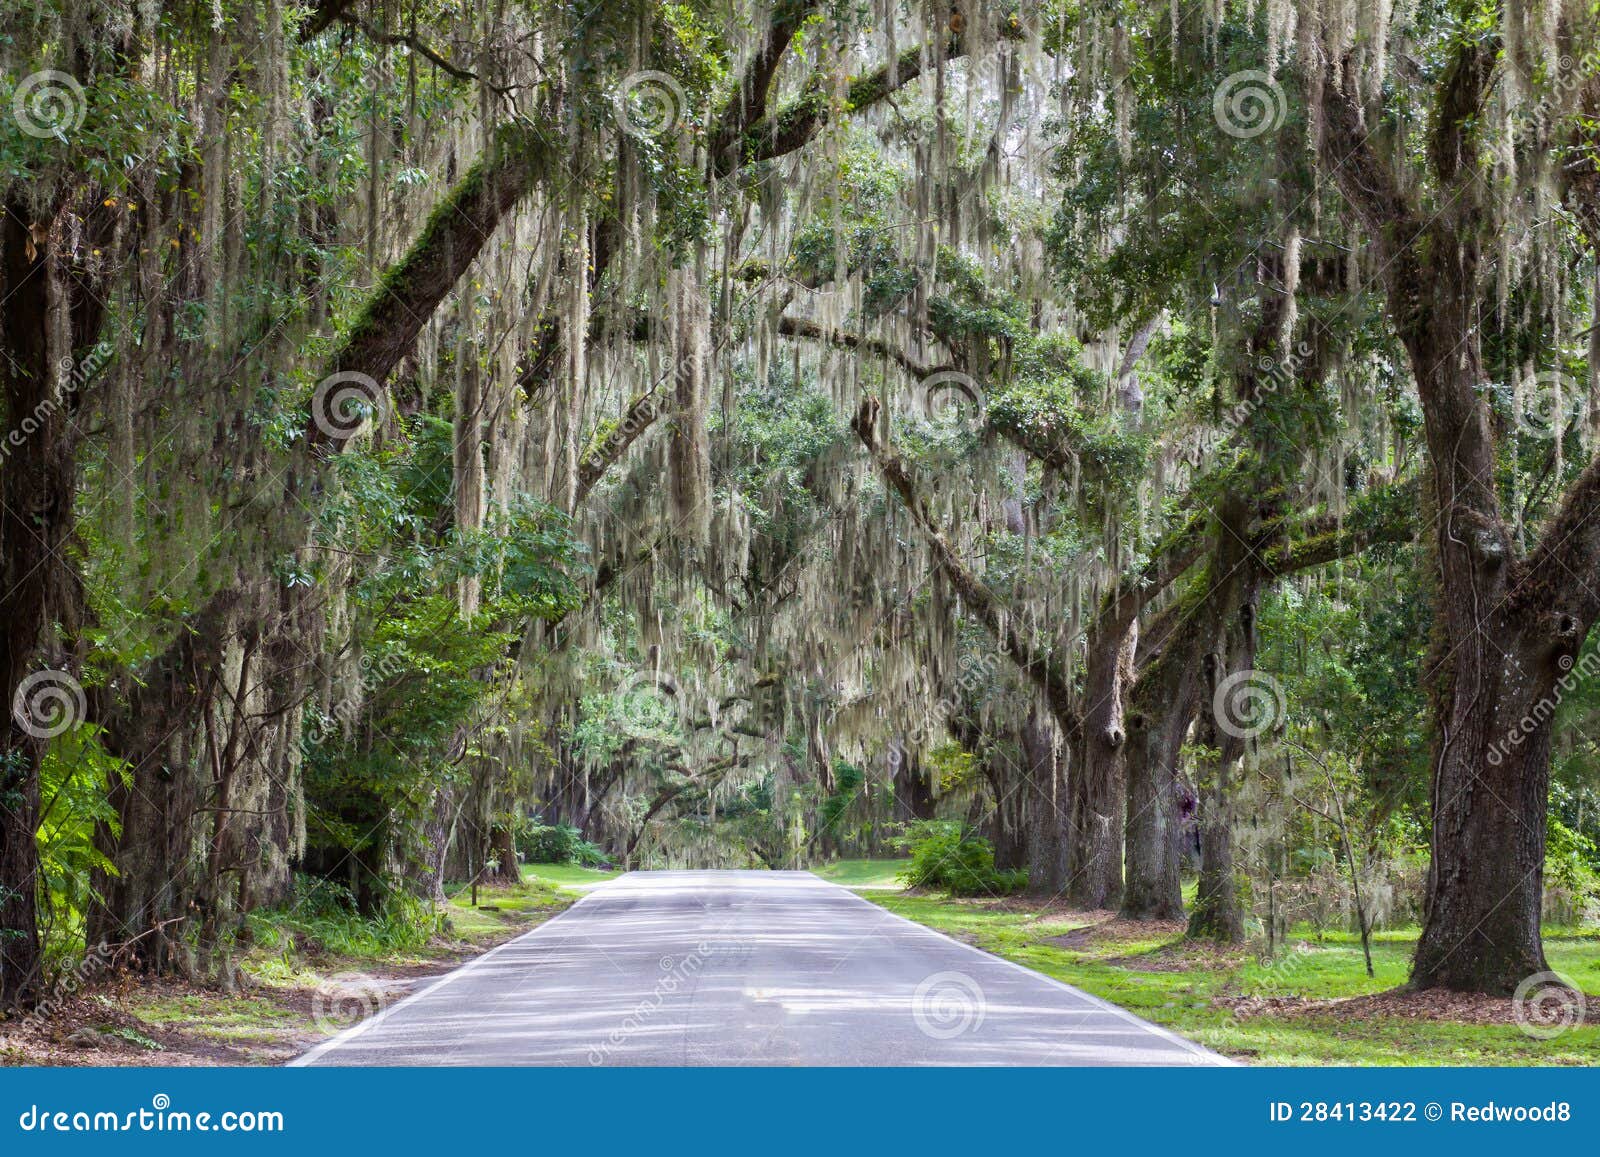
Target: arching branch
1041 668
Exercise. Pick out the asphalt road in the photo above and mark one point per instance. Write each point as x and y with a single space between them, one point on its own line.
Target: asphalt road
746 968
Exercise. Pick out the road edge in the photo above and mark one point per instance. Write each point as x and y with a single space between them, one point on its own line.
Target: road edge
1212 1057
344 1036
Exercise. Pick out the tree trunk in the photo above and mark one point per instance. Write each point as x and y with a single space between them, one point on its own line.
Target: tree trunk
1045 791
1153 886
206 819
1507 626
1218 910
1490 795
1164 704
913 790
1094 838
1504 641
36 493
502 842
1218 914
1008 819
1486 880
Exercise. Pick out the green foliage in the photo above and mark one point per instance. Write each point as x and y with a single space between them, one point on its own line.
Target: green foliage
323 917
847 783
374 755
945 856
76 777
541 843
1572 873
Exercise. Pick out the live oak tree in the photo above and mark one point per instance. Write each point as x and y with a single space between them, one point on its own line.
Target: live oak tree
1505 132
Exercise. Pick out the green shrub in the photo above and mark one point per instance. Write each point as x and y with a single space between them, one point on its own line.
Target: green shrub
947 857
541 843
1572 886
322 917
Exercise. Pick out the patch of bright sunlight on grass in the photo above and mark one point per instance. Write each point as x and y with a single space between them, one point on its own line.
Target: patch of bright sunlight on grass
568 875
873 874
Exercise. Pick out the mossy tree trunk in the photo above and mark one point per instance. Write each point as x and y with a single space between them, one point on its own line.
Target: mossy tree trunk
1509 624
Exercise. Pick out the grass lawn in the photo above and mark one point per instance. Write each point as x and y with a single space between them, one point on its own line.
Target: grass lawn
1264 1012
567 875
875 874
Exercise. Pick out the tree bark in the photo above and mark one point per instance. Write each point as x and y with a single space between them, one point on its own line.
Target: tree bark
1046 795
1162 708
913 790
502 842
45 280
35 512
1218 909
1508 628
1094 849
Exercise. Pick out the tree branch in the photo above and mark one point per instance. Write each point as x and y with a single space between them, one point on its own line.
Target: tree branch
749 104
455 233
797 123
406 40
806 329
1041 669
1387 515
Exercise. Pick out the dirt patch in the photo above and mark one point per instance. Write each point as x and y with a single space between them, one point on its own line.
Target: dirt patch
94 1029
1107 929
1431 1005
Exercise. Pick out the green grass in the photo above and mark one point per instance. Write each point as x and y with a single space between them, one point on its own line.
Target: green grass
1195 989
500 906
875 874
231 1018
567 875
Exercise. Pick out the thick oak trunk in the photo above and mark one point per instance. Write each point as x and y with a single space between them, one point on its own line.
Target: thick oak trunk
1094 834
1164 703
1162 710
35 514
1218 906
913 788
1045 781
503 846
1486 880
1505 637
1507 627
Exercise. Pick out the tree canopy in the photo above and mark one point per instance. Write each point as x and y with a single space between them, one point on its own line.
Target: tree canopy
1157 440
